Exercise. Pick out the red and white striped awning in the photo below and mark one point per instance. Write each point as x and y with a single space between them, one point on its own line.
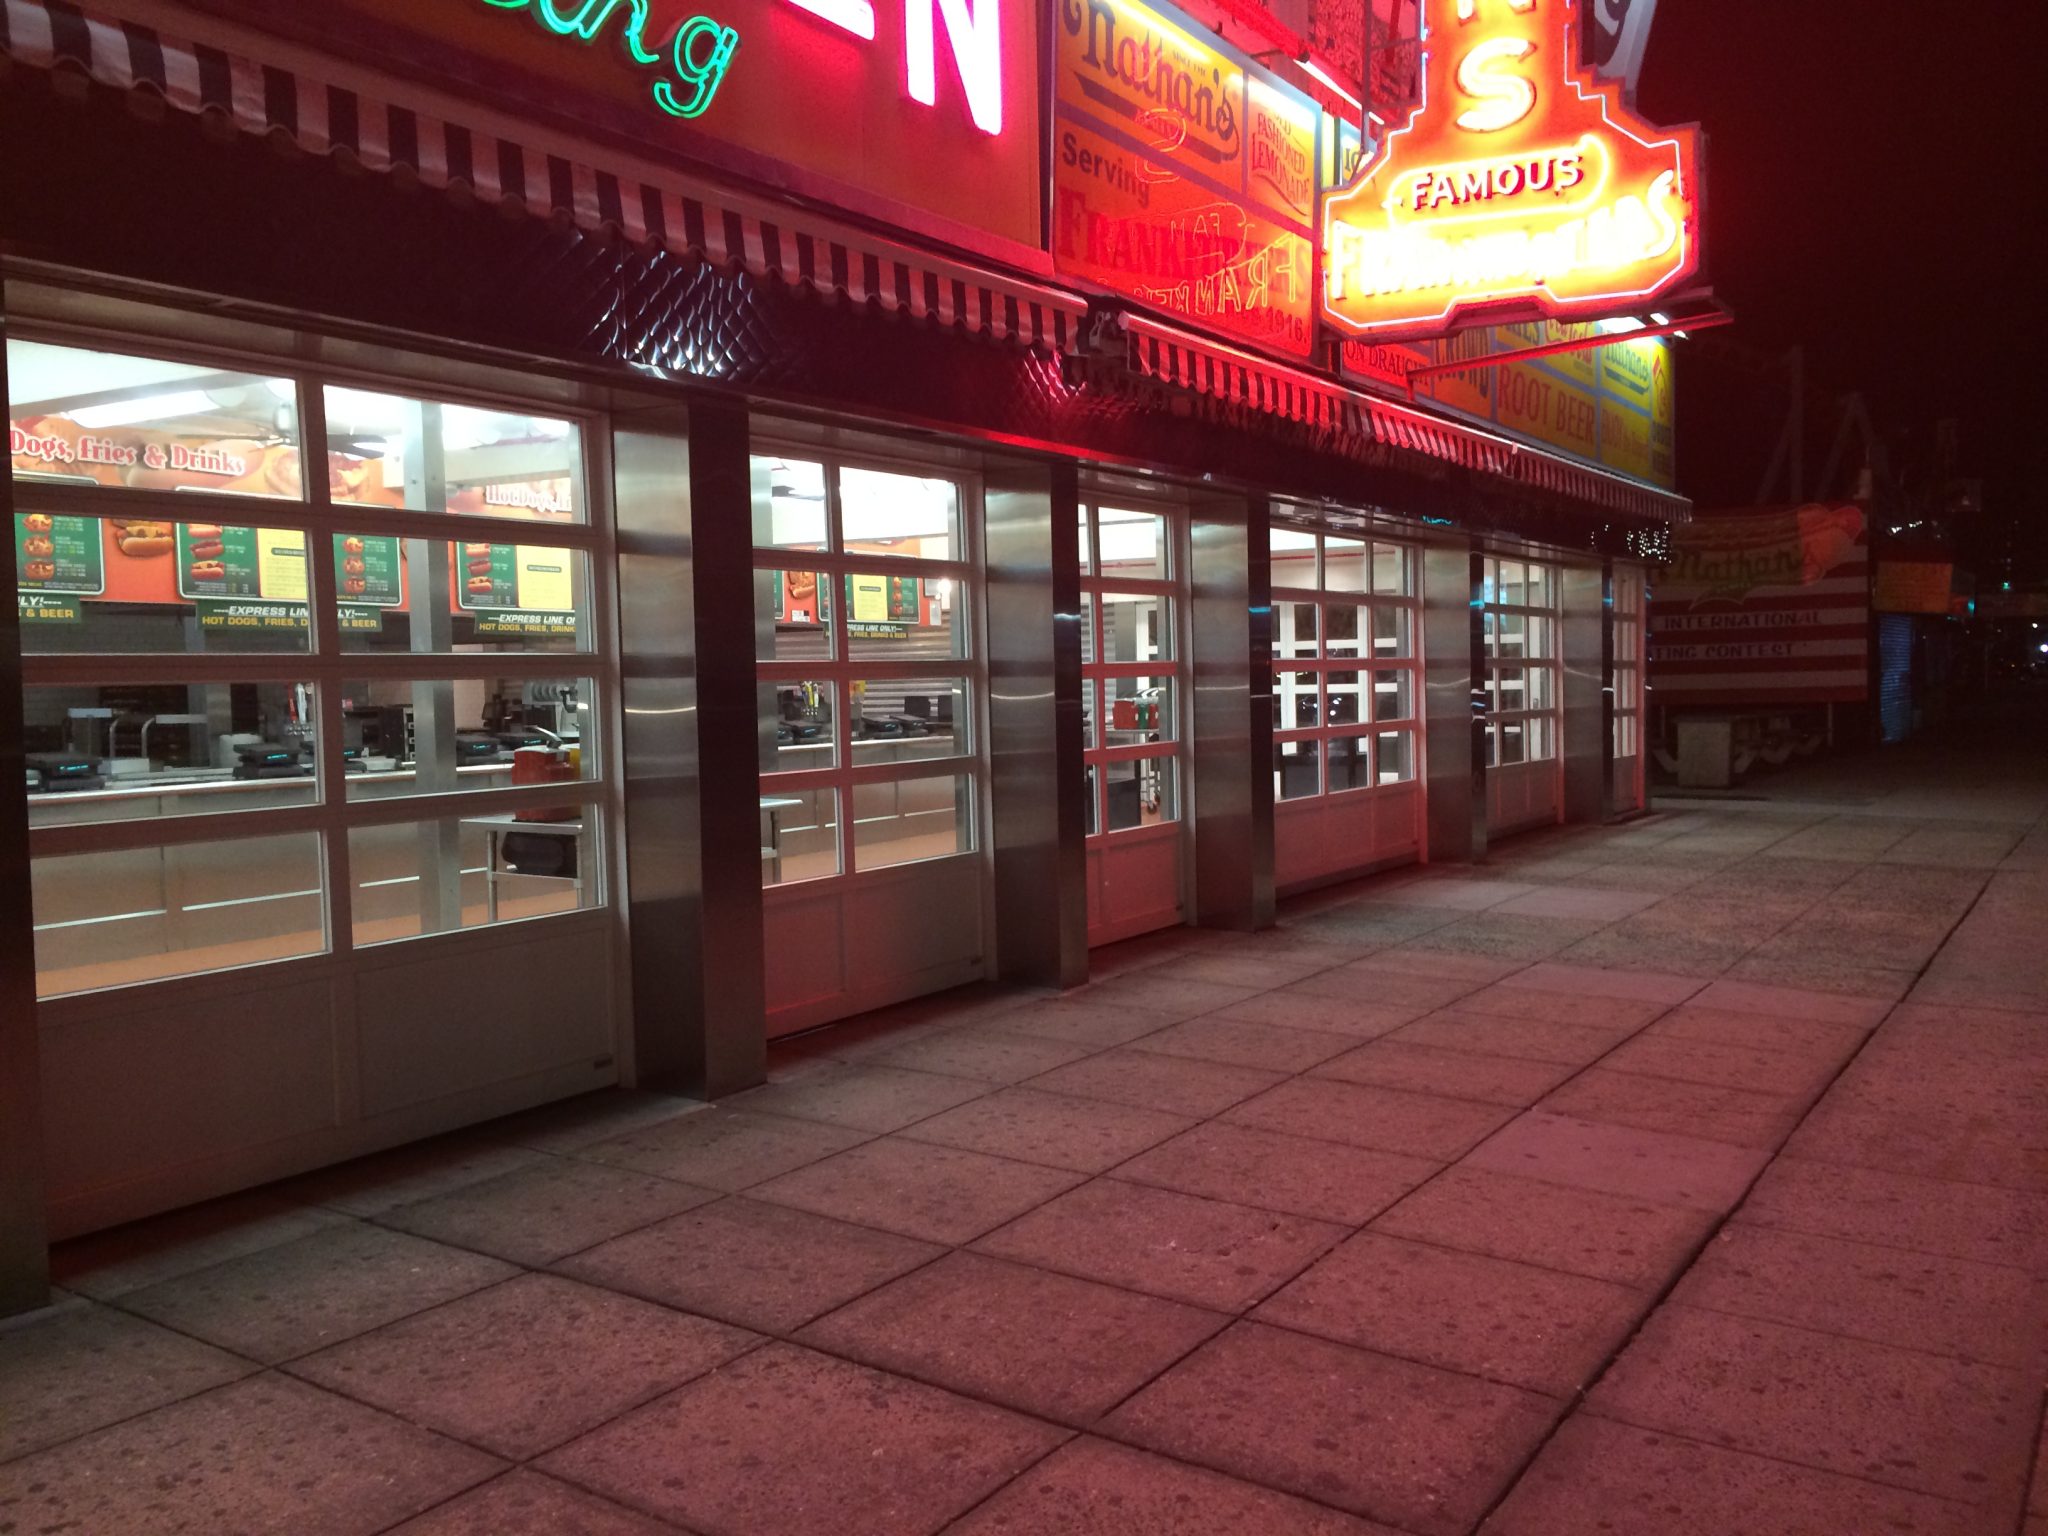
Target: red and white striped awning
1174 356
393 127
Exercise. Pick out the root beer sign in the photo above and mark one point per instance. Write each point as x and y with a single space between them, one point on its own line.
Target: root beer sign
1520 188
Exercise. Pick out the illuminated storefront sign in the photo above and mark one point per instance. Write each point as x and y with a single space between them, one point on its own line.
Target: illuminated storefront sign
1182 176
923 114
1519 184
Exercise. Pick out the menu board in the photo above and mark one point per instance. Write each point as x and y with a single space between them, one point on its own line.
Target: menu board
242 578
516 589
369 574
58 561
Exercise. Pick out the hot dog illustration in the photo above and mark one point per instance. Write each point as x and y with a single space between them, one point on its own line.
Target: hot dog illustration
479 567
38 522
208 570
479 584
141 540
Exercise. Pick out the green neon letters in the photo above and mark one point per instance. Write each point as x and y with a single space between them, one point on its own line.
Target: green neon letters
698 55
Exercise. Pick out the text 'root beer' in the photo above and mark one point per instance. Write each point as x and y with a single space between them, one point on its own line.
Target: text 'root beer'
1518 186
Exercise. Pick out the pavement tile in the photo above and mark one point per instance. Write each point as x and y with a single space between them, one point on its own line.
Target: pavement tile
1751 997
796 1443
1620 1160
1818 1038
81 1367
1093 1487
1171 1084
371 1185
1596 1476
1581 1231
1243 1043
1472 971
1978 1222
1713 1113
524 1503
524 1366
1848 977
126 1258
1964 1126
1511 1000
1584 981
538 1214
569 1125
1374 986
1164 992
1629 946
1084 1135
761 1266
1318 1179
726 1149
1452 890
1592 901
1828 1402
861 1097
1510 1080
1325 1015
919 1189
1861 1291
1091 1024
1045 1343
983 1052
1508 1322
1507 936
1754 1069
266 1454
1211 1253
307 1294
1419 1448
1261 970
1554 1040
1382 1119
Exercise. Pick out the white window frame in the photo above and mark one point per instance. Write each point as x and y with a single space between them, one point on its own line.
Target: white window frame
1096 671
1550 665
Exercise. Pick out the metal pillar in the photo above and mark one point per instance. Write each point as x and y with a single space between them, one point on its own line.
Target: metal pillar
1231 593
692 782
24 1234
1588 678
1454 704
1038 815
1610 698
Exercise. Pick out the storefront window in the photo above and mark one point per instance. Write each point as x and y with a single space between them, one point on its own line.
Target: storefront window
507 866
1519 626
431 456
434 736
1130 686
905 821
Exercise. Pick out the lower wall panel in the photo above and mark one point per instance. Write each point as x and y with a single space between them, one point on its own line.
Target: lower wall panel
1135 884
1521 797
1329 836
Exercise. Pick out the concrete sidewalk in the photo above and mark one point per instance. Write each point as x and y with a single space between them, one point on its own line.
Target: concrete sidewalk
1687 1178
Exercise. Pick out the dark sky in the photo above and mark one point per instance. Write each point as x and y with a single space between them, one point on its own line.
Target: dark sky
1877 189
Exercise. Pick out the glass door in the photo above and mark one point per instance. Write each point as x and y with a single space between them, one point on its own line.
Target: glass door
1524 694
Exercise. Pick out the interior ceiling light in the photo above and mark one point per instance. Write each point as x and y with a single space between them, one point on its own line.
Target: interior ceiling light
122 413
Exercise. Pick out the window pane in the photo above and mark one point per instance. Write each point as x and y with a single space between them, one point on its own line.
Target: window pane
799 835
1396 753
1091 710
1086 540
1297 701
1542 586
887 514
142 914
1297 771
1507 636
1393 632
148 585
796 726
79 417
432 456
1350 766
1542 740
904 618
1345 622
1294 631
1393 695
1344 565
1142 793
114 752
1513 742
912 819
434 596
1392 571
1136 627
1294 558
1514 583
789 504
907 720
1094 811
1132 543
792 616
431 737
1346 703
414 878
1141 709
1087 627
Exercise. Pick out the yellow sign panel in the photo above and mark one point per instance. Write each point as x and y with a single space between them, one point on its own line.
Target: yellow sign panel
870 601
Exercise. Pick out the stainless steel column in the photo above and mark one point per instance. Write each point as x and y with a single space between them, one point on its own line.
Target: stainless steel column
1038 815
1610 700
1587 677
1231 591
692 782
24 1241
1454 704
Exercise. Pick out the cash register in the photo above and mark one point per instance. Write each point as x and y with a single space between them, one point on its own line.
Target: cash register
270 760
62 770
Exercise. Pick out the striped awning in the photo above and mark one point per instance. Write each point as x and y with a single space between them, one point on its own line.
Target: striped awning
1157 350
392 128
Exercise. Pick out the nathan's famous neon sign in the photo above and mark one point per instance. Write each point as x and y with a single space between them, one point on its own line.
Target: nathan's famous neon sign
700 51
1517 184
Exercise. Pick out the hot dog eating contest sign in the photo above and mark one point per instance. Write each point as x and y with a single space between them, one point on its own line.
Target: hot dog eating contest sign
1183 175
1519 188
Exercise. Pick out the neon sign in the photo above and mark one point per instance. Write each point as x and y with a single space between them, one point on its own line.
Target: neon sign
698 54
1520 185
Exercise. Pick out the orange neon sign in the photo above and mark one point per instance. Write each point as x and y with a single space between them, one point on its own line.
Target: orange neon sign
1519 186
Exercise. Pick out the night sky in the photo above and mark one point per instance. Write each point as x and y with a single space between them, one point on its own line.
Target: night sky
1876 190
